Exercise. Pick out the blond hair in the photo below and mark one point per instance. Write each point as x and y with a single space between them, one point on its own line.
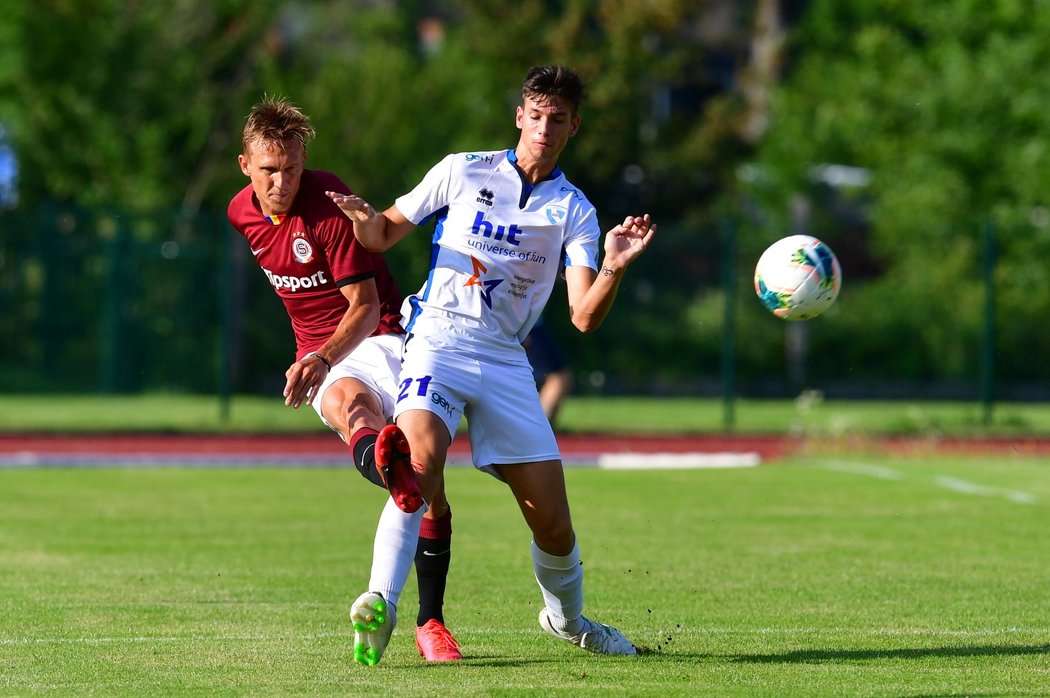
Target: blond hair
275 119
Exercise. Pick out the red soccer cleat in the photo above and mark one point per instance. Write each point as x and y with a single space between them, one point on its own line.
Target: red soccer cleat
435 642
395 466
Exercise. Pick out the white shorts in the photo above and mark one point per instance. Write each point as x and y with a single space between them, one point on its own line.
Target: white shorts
499 399
375 362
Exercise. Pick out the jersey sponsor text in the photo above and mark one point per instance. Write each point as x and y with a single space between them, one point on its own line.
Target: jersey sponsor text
486 229
294 283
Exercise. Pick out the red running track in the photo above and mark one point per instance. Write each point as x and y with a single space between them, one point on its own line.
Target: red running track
324 449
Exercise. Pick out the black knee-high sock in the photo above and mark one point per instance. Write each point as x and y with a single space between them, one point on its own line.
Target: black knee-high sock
363 445
433 554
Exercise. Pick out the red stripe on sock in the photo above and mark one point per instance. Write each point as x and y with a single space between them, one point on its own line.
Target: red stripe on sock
436 529
360 434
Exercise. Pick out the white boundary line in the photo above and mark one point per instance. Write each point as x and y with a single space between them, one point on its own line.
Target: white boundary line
677 461
954 483
944 481
682 630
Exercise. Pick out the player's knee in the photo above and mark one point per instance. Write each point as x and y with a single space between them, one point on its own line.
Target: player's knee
332 409
553 534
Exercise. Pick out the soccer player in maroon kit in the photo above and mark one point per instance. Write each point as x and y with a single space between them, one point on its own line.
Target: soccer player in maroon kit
345 312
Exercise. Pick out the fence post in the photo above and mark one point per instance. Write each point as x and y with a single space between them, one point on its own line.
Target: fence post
109 357
728 234
988 339
226 319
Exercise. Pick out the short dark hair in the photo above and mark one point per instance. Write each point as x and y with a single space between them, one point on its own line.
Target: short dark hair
546 82
276 119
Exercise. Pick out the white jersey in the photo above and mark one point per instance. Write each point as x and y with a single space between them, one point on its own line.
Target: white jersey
497 249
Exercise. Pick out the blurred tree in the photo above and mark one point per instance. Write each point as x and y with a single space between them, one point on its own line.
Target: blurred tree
125 103
944 105
138 107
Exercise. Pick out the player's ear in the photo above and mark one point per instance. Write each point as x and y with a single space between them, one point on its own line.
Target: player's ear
575 125
519 114
244 162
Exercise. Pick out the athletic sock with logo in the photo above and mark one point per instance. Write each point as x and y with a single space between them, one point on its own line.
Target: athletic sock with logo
433 555
363 446
395 544
561 582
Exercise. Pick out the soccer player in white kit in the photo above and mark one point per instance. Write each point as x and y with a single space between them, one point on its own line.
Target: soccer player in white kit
506 222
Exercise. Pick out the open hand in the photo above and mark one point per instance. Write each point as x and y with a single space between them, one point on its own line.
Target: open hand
302 379
355 208
625 242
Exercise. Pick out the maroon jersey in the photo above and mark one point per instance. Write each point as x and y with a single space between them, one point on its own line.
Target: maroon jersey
308 253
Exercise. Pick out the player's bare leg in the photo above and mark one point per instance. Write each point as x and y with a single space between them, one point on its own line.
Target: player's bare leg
352 408
540 491
383 459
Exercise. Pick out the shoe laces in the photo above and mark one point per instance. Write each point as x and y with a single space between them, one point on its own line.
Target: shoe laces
439 636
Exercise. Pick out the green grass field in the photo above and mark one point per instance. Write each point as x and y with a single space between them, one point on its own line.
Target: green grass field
581 414
837 576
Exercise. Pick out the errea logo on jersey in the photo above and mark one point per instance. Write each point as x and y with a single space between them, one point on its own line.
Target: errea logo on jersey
294 283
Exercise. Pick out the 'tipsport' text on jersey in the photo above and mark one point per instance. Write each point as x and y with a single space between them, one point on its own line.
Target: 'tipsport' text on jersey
308 254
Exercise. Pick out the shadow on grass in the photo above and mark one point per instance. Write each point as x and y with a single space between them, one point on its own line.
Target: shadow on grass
901 653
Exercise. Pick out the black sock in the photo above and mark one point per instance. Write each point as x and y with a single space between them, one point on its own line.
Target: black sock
433 555
364 447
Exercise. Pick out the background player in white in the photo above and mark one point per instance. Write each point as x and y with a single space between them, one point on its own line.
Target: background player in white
345 312
505 221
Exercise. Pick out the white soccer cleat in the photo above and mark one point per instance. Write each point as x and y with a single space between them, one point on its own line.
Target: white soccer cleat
374 620
595 637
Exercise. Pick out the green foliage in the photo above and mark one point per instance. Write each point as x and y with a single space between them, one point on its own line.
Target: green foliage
147 117
134 110
127 104
944 105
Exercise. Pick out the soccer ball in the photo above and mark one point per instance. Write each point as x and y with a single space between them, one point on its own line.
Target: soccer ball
798 277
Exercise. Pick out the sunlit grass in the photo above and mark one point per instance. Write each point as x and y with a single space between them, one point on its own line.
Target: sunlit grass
829 576
807 415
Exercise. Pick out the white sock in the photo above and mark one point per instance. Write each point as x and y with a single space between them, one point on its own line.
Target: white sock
394 550
561 582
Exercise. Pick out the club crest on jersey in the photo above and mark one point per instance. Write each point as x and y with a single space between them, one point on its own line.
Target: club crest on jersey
302 250
556 214
486 285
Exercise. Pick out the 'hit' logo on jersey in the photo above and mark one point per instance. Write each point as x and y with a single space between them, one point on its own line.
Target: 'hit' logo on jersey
486 229
486 285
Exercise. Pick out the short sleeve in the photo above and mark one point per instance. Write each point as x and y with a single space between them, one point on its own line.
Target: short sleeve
430 195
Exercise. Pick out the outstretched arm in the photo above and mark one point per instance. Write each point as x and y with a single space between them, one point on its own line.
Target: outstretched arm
378 232
591 295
